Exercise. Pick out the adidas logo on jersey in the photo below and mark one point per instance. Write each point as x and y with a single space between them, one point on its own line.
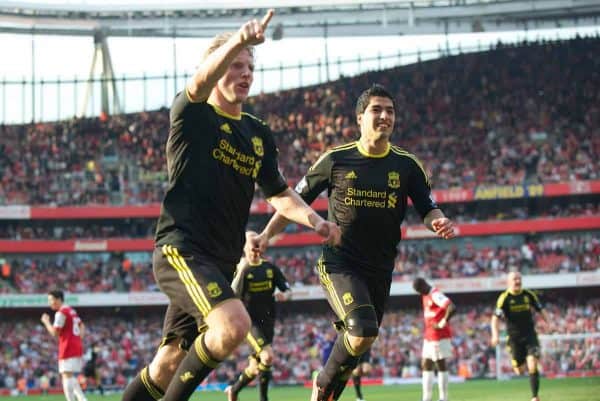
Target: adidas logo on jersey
225 128
351 175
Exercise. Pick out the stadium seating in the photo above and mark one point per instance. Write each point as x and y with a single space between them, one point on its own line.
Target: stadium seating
477 118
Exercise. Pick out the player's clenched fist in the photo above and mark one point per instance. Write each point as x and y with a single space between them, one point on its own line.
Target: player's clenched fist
256 245
330 232
253 32
443 227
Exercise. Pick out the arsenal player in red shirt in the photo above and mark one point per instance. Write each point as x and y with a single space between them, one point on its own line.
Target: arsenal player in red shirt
437 310
69 329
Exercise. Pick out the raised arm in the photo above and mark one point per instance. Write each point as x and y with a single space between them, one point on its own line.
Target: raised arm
216 63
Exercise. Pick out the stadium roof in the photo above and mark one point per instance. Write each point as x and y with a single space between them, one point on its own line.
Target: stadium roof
294 18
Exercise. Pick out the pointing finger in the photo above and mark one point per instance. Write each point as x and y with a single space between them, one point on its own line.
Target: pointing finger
266 19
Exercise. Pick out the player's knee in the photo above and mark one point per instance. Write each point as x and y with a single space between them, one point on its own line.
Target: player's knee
361 323
532 368
235 331
427 364
165 363
252 369
229 323
266 358
360 344
161 372
366 369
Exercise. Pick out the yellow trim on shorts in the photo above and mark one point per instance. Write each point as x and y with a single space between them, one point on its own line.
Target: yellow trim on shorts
187 277
328 284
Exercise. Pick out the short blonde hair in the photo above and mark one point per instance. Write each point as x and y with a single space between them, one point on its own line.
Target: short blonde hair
219 41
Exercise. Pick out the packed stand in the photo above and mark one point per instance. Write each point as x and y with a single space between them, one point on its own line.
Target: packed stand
473 212
510 115
126 341
464 257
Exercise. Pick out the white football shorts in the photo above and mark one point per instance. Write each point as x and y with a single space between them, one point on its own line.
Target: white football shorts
72 365
436 350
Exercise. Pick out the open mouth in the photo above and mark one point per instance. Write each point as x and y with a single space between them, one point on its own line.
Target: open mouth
244 85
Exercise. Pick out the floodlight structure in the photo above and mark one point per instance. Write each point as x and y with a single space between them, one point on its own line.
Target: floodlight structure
108 85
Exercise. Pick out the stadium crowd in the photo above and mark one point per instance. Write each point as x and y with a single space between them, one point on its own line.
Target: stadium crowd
474 257
126 341
472 212
525 113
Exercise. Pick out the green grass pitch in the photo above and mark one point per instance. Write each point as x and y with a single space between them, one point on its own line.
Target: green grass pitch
584 389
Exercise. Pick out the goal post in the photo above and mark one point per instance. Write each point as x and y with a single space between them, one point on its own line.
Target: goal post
561 355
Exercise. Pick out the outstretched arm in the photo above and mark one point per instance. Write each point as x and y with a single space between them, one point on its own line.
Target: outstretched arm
291 207
276 225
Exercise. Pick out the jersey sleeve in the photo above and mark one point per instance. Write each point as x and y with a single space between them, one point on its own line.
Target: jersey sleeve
269 178
419 190
440 299
316 179
499 311
280 280
178 107
59 320
537 305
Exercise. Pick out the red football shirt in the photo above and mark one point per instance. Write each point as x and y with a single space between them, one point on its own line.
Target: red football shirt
66 322
434 309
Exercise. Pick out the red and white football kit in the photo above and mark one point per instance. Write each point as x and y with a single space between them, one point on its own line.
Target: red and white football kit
436 344
70 347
